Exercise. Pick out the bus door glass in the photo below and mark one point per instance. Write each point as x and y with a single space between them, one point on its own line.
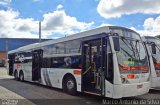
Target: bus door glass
93 70
36 64
11 63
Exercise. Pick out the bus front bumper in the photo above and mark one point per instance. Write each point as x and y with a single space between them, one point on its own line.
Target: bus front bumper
129 90
155 83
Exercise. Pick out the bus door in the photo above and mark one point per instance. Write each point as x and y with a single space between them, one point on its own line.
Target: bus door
93 69
37 56
11 63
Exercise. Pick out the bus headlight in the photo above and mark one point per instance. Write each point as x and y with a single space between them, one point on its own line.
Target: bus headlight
124 80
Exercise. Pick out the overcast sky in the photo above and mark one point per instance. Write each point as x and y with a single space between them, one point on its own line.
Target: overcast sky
19 18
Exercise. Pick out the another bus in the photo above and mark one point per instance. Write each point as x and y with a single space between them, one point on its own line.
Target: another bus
109 61
153 48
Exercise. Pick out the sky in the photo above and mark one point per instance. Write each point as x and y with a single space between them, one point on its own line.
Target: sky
59 18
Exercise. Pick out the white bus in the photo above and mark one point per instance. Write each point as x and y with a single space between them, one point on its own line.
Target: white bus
110 61
153 48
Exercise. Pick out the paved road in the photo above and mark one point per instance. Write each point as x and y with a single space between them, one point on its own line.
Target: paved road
27 93
24 93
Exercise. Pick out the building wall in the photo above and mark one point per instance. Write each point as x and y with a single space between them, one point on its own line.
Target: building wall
2 45
3 55
7 44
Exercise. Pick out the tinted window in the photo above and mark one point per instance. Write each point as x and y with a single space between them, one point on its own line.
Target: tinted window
73 46
73 62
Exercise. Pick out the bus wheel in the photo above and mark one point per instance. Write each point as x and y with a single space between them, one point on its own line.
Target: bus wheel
21 76
69 85
15 75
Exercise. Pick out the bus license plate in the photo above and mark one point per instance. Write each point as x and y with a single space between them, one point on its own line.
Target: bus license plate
139 86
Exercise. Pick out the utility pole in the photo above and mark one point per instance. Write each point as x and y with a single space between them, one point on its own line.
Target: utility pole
39 31
6 44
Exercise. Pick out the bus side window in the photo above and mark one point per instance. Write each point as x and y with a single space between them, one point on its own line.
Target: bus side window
75 62
57 62
72 46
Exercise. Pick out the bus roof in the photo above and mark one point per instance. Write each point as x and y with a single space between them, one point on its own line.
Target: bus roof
152 39
104 29
23 48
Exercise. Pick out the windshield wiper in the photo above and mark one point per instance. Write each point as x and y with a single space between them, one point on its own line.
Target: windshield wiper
131 48
126 43
138 51
128 53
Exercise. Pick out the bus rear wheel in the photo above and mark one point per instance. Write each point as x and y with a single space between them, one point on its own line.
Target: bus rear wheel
16 75
69 85
21 76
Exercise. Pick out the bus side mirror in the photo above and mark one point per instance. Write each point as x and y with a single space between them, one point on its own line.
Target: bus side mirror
116 43
153 47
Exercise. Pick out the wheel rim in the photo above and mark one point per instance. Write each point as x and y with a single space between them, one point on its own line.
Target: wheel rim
70 84
21 76
16 75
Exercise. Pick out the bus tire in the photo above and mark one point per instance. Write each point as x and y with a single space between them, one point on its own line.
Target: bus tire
16 75
21 76
69 85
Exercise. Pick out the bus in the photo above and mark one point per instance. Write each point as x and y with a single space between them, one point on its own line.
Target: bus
109 61
153 49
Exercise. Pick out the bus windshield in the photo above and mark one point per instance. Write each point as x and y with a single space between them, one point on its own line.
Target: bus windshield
156 60
132 57
156 57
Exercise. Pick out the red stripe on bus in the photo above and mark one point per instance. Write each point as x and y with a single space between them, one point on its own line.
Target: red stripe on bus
77 72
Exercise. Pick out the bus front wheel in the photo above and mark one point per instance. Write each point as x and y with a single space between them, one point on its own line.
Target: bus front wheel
69 85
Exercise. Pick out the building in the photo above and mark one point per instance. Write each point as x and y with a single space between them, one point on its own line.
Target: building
7 44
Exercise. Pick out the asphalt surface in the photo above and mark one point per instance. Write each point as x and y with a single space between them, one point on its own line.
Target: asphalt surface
14 92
